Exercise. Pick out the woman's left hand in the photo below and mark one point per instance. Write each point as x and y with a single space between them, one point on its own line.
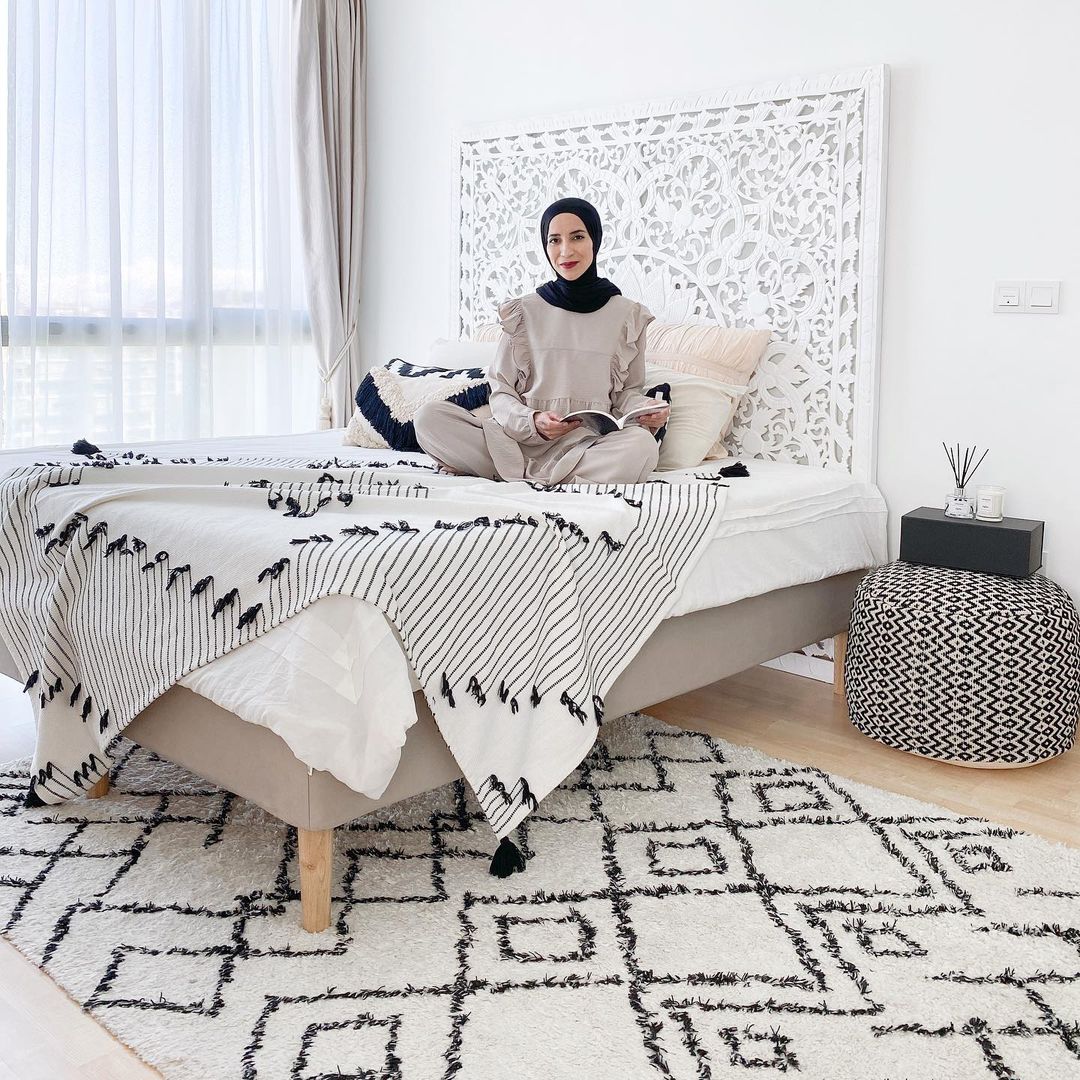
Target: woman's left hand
654 421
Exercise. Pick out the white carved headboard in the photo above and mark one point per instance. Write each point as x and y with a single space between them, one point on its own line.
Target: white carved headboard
761 206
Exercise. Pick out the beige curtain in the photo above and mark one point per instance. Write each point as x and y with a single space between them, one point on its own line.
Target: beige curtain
330 62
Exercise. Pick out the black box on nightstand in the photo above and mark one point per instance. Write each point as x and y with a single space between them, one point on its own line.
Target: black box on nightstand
1011 547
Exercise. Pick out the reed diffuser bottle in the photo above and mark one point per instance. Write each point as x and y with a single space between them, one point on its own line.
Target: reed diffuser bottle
958 505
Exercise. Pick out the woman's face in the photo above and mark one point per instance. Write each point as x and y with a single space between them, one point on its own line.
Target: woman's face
569 246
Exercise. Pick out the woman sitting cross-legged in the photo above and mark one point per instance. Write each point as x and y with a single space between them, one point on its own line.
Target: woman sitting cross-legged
576 343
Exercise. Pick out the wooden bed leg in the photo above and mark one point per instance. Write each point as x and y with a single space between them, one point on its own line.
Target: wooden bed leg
100 789
839 648
316 856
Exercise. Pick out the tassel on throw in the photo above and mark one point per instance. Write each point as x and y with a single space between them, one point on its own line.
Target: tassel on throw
174 574
527 797
201 585
499 788
248 616
562 524
476 691
738 469
93 534
446 691
507 859
227 600
576 710
119 544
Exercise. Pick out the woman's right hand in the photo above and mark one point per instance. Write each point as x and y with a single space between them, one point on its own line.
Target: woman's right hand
551 427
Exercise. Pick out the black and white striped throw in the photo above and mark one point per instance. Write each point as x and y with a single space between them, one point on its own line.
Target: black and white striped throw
517 605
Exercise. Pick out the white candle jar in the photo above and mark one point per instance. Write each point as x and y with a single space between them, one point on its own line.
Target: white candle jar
989 502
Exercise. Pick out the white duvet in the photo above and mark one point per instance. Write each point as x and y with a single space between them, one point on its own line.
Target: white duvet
333 680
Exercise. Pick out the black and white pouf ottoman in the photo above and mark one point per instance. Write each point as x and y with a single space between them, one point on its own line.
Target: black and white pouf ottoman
969 668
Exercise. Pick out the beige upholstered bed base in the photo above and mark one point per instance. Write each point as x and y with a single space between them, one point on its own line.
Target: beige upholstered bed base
683 654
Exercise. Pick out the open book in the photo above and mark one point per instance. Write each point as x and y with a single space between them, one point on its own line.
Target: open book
604 423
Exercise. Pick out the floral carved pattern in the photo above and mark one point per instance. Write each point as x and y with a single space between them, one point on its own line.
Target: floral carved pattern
750 209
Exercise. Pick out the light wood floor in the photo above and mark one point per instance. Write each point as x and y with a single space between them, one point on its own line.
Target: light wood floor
43 1034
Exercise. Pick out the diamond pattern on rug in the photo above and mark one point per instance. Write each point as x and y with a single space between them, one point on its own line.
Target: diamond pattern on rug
691 910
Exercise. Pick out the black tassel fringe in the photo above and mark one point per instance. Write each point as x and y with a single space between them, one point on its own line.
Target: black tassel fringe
738 469
477 692
575 709
507 859
527 797
446 691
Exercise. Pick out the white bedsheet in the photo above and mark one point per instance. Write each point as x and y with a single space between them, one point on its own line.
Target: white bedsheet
333 680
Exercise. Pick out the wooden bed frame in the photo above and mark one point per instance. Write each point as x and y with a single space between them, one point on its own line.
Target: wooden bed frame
683 654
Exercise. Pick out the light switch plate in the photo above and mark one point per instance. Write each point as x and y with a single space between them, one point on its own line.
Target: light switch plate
1041 297
1008 296
1032 297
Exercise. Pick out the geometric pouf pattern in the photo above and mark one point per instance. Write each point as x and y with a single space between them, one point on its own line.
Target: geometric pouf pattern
972 668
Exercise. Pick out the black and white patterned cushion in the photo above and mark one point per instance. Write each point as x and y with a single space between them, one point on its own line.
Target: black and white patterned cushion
388 398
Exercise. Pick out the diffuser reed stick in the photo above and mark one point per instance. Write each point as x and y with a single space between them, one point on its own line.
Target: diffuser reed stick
962 467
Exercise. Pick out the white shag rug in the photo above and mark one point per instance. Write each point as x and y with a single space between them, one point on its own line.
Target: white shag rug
691 909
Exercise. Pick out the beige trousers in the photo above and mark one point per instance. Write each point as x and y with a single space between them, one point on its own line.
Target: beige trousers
454 437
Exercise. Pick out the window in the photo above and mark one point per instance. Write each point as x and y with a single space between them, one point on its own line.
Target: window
154 284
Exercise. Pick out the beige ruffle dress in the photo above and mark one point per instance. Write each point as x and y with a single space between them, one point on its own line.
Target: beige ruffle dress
552 359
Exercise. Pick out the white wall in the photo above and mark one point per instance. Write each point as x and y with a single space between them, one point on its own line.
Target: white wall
983 185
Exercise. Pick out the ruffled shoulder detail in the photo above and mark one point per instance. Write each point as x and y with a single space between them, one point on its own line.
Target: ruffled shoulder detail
637 318
512 316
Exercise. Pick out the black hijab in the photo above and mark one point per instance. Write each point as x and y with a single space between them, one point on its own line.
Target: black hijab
588 292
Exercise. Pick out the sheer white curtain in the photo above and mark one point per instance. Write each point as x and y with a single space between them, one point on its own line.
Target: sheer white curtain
155 283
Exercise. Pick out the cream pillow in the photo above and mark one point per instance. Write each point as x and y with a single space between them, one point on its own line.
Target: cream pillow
699 409
488 332
709 368
462 354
